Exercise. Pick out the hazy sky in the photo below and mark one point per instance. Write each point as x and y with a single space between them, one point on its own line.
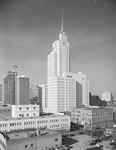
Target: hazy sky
29 27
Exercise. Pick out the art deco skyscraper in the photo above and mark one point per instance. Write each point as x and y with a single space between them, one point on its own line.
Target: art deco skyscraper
61 86
58 59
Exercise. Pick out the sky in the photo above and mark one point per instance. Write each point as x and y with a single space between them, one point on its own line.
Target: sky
29 27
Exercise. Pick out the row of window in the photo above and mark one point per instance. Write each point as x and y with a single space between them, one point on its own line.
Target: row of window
27 108
31 122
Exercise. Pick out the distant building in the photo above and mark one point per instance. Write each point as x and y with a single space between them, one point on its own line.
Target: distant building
107 96
22 90
82 89
95 100
20 111
1 94
9 88
30 139
93 117
34 91
43 98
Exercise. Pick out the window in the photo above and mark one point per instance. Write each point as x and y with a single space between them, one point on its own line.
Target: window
20 108
26 146
32 145
56 139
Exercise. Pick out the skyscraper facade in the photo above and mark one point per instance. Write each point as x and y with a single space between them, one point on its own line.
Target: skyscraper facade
9 88
65 89
58 59
22 90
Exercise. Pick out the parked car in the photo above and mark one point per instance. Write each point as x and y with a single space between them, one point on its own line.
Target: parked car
92 142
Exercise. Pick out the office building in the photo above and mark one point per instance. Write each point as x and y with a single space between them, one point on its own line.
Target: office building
61 85
9 88
93 117
34 139
22 90
65 90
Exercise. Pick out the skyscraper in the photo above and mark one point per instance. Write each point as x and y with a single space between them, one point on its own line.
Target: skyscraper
61 85
58 59
66 90
22 90
9 88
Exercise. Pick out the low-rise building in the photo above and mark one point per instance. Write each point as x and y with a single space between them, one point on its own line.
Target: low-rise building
55 122
19 111
93 117
30 139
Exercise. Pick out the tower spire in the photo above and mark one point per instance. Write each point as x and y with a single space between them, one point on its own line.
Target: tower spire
62 23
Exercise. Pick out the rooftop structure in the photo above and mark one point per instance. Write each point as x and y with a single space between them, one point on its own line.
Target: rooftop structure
29 139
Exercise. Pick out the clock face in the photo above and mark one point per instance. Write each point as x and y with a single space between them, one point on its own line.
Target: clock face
64 43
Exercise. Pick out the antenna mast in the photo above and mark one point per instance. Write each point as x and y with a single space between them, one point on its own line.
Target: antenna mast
62 24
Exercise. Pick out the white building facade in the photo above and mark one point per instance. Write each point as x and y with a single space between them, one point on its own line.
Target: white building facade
82 89
54 122
63 91
61 94
20 111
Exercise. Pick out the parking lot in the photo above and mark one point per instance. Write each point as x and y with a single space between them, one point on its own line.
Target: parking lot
81 142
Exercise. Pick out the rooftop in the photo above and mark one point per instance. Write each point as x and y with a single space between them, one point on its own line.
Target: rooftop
28 133
7 116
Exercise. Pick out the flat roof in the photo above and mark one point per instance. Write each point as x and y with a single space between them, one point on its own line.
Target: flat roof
90 108
28 133
6 117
